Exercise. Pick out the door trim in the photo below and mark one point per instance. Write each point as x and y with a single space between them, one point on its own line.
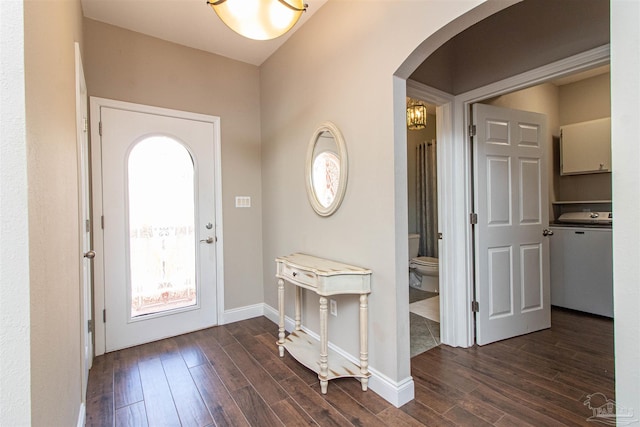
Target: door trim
447 253
96 161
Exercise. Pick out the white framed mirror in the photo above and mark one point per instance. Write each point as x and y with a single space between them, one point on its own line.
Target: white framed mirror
326 169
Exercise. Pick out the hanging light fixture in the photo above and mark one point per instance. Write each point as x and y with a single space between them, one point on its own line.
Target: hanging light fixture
416 115
259 19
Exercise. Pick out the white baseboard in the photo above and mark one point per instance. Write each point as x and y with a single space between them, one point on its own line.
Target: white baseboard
242 313
82 415
271 313
396 393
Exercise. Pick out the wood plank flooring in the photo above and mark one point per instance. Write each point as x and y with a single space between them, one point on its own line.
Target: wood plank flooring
232 376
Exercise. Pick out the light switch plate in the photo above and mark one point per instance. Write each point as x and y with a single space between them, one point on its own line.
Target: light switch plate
243 202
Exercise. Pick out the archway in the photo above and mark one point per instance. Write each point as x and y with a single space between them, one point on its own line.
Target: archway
456 262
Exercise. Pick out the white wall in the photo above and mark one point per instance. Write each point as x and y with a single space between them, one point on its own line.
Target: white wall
339 67
15 346
625 128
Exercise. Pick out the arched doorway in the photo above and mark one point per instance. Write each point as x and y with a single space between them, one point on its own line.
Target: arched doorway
453 88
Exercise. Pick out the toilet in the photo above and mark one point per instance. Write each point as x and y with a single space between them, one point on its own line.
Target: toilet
423 271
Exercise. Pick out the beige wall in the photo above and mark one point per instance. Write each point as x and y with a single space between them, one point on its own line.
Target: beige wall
129 66
339 67
54 252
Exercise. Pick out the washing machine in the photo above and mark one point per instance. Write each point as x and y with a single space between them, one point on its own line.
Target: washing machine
581 262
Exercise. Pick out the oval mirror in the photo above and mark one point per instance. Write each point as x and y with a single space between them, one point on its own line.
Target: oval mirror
326 169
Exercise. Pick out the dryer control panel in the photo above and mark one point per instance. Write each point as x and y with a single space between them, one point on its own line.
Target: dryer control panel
603 218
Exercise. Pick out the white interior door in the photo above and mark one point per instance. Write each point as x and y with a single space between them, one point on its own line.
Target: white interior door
511 199
82 136
159 225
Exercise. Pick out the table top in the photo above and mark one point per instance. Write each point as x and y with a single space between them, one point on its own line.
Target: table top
321 266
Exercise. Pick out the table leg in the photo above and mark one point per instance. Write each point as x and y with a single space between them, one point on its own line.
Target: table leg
298 305
281 312
364 342
324 347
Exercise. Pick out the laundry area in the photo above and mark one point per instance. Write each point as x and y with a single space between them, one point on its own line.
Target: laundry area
580 241
580 210
581 261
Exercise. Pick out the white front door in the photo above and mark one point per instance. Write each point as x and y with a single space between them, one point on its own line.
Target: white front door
159 224
511 202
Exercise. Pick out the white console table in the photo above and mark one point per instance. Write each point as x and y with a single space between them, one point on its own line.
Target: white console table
325 278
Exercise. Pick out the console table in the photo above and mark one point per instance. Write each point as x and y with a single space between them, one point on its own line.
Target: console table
325 278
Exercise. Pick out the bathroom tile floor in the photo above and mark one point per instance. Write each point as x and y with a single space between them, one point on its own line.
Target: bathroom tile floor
425 333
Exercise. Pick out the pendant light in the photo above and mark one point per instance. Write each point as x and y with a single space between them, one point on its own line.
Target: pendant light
416 115
259 19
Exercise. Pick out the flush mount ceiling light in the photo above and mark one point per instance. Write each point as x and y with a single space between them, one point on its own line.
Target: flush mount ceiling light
259 19
416 115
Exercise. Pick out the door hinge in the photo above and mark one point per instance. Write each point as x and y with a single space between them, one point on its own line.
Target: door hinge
475 307
104 315
102 222
90 326
472 130
85 124
439 236
473 218
100 128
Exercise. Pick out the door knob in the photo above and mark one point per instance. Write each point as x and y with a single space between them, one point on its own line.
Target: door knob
209 240
547 232
90 254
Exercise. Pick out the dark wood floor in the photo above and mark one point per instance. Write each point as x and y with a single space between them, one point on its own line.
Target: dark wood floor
232 375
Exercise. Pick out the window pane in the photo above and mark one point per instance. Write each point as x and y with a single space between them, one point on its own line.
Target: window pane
162 243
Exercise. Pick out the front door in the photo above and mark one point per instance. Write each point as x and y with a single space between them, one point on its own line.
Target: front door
511 199
159 224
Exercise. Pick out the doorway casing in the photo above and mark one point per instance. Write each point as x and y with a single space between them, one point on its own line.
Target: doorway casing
454 183
96 161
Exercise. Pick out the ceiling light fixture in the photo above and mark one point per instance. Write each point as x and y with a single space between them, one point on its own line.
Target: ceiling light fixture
259 19
416 115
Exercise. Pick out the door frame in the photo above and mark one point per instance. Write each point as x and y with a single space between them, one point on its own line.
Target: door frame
444 131
571 65
457 262
96 160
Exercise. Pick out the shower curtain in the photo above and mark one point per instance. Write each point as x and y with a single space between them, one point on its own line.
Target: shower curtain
427 198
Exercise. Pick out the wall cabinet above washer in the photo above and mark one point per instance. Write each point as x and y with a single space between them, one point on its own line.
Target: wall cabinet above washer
585 147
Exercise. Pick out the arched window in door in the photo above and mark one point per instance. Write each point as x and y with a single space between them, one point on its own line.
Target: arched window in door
161 218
